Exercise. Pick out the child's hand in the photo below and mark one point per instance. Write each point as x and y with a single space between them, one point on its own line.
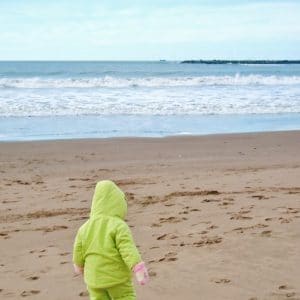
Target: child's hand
78 270
141 273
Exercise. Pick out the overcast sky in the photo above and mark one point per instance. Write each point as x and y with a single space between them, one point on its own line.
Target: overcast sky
149 30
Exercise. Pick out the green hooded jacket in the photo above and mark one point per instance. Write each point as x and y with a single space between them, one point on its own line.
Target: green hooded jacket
104 245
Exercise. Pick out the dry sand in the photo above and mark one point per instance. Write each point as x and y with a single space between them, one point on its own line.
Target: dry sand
215 217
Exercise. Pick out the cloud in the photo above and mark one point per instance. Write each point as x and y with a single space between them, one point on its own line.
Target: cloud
70 28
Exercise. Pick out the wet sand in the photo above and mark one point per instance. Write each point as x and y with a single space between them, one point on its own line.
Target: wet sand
215 217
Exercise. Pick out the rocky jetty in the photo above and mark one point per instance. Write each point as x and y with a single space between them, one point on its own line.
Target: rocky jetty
253 62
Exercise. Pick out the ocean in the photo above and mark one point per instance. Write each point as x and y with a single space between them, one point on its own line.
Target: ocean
60 100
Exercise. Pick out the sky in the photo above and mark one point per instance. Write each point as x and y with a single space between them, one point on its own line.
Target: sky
149 30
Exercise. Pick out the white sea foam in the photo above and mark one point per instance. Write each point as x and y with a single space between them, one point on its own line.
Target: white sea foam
239 94
151 82
163 101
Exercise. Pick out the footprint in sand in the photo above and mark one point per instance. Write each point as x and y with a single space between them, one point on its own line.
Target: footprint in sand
167 235
171 256
83 294
169 204
208 241
78 219
40 251
225 204
243 229
240 215
154 247
259 197
195 209
185 212
288 295
294 191
51 229
30 293
210 200
21 182
212 227
151 261
152 273
9 201
162 237
156 225
284 220
129 196
266 233
150 200
291 210
170 220
221 280
285 287
64 253
33 278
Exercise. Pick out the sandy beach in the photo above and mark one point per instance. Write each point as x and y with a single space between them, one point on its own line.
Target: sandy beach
215 217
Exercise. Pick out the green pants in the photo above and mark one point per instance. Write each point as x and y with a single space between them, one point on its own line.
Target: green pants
124 291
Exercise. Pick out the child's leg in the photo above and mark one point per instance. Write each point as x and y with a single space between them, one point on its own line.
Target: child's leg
98 294
124 291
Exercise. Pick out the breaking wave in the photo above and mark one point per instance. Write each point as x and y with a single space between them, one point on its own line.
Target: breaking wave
151 82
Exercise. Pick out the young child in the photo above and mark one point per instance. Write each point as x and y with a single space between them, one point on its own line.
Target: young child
104 250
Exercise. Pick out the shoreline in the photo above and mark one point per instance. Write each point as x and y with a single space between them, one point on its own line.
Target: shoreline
93 127
179 136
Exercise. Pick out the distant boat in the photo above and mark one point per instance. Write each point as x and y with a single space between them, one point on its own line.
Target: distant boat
162 60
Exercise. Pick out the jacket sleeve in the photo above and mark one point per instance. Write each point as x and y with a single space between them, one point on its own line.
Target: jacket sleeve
77 251
126 246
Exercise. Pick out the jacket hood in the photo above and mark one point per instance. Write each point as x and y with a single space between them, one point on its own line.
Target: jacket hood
108 200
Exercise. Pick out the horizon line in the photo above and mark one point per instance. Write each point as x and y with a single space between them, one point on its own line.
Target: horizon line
143 60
